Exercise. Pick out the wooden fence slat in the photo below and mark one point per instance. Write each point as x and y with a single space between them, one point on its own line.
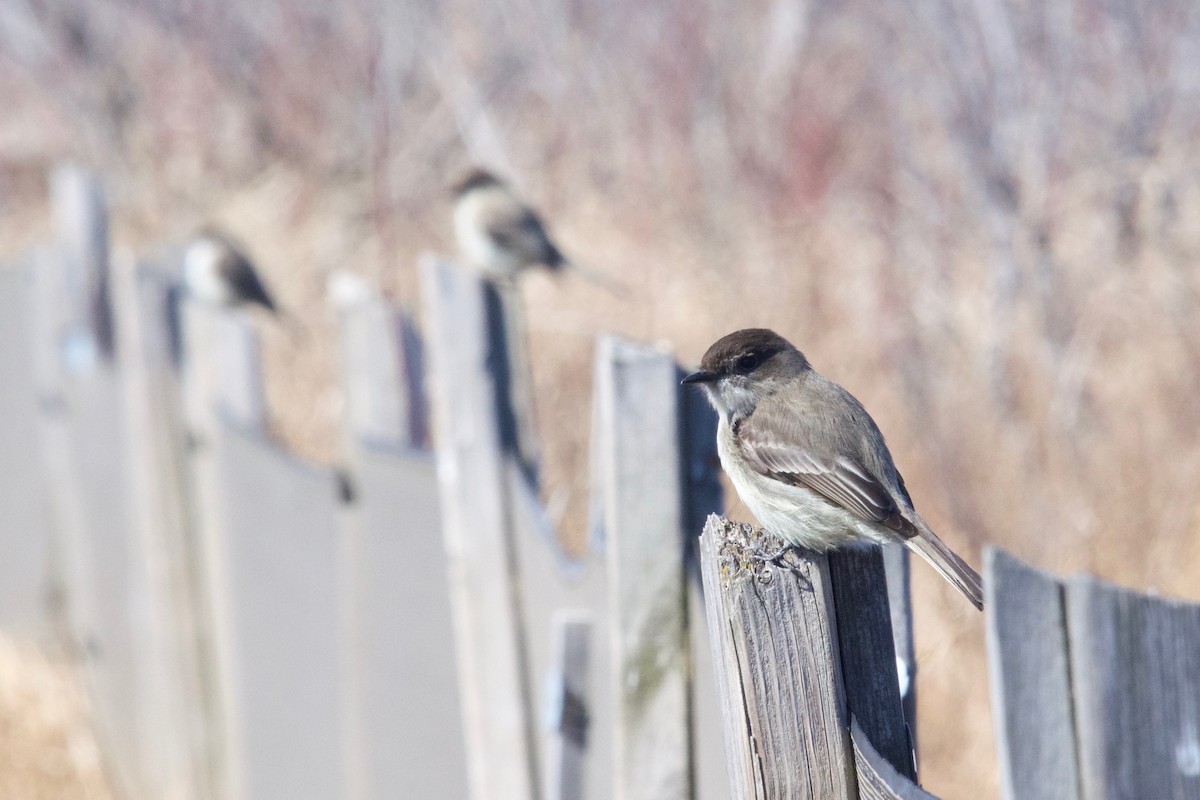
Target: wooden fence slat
478 525
877 778
275 551
382 373
26 579
412 734
1135 676
568 712
169 639
897 563
704 496
1030 680
777 666
222 386
644 546
864 635
81 218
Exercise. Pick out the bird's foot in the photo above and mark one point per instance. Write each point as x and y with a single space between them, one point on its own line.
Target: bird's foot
779 558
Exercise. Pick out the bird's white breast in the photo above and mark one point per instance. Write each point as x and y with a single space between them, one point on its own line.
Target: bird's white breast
202 272
470 230
798 515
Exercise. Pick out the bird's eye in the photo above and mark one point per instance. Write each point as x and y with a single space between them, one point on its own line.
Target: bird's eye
747 362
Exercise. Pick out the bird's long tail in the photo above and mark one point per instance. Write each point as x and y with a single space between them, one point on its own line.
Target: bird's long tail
949 566
595 278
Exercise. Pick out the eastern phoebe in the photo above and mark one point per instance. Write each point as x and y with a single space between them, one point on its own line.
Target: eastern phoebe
501 236
807 459
217 270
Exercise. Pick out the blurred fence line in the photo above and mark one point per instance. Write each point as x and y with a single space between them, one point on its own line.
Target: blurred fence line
407 624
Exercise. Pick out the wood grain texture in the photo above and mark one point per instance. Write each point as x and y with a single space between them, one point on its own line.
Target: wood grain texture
1030 681
778 671
1135 669
877 778
864 634
477 523
644 502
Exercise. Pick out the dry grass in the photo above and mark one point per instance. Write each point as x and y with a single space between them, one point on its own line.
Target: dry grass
982 220
47 750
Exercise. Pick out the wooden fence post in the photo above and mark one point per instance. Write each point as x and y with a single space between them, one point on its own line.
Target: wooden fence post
478 523
26 578
1030 680
403 712
147 321
220 376
789 684
643 507
1135 677
1096 688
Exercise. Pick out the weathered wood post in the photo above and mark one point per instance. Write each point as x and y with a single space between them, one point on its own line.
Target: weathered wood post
170 637
479 527
1096 688
803 649
268 532
644 504
403 712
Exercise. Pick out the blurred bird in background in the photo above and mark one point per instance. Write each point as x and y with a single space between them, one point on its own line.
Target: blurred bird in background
501 236
217 270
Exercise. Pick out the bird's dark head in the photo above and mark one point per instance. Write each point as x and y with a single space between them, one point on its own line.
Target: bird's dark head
476 178
745 366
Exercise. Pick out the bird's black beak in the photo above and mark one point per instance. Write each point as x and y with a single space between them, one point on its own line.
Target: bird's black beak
700 377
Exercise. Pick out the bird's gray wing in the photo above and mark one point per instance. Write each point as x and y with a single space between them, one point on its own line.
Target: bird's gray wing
247 286
779 444
517 229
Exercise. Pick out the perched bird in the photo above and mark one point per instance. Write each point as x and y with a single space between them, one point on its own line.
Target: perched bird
807 459
217 270
501 236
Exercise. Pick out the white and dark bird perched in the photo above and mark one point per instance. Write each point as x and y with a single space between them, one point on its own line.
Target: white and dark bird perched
217 270
501 236
807 459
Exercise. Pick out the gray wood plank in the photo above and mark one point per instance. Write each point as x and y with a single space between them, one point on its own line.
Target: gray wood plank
222 385
778 672
168 634
274 557
81 219
381 363
1030 681
877 778
26 581
864 634
552 586
1135 671
478 526
567 717
411 717
643 511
